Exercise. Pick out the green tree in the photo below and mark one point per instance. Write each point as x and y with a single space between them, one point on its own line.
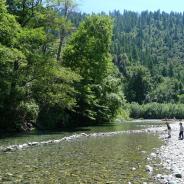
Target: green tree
166 91
31 79
64 25
87 53
138 84
23 9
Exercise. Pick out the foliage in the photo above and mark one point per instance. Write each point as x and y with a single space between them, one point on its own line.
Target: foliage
156 110
87 53
181 98
166 91
153 40
40 88
138 84
31 79
27 115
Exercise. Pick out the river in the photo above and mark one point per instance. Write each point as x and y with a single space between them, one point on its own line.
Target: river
117 159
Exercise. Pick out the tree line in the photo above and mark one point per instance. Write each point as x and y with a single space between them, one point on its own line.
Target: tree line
148 50
52 73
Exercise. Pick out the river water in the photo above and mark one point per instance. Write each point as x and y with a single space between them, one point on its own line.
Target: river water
106 159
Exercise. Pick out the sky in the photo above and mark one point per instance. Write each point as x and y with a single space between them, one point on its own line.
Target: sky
96 6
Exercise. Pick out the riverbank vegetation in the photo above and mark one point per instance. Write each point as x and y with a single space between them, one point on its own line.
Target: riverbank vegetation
156 110
52 73
61 68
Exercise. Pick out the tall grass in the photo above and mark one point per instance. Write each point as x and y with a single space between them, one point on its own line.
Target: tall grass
156 110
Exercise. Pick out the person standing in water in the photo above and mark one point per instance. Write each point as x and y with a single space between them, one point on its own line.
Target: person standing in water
168 129
181 131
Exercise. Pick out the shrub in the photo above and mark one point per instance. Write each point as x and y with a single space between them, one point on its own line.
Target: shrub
156 110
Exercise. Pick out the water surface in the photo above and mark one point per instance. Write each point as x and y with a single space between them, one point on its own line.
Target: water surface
88 160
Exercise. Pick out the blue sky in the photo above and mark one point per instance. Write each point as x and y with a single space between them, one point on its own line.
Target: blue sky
135 5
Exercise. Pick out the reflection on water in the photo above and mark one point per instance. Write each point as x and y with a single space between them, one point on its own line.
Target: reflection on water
88 160
44 136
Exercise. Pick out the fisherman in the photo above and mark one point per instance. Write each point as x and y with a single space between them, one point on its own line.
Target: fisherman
181 131
168 129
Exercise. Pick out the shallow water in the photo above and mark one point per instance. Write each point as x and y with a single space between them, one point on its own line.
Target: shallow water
44 136
88 160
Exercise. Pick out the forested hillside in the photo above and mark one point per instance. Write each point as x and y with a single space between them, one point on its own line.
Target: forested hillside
148 49
149 44
154 40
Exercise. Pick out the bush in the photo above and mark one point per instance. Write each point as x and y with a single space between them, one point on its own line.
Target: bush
156 110
123 113
27 113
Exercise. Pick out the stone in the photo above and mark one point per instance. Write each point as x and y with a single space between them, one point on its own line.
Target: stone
57 141
149 168
8 149
83 134
33 143
178 175
143 152
158 176
9 174
153 155
172 182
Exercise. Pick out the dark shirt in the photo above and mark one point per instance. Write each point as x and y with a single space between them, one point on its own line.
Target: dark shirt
168 127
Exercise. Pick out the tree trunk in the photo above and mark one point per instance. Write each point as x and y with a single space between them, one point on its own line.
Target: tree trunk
61 40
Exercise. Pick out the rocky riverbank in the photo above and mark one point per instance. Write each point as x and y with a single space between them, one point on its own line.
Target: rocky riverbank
172 157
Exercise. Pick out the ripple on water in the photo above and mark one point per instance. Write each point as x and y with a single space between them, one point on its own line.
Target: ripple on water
93 160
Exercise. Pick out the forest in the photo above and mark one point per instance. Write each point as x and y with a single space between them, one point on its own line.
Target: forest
61 68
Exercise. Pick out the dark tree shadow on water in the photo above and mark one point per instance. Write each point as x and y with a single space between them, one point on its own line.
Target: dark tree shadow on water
86 127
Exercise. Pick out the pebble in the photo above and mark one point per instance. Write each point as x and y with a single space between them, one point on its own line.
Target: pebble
149 168
178 175
153 155
172 157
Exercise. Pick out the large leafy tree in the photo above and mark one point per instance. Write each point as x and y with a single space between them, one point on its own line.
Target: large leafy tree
11 61
24 10
138 84
166 91
31 79
62 9
87 53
